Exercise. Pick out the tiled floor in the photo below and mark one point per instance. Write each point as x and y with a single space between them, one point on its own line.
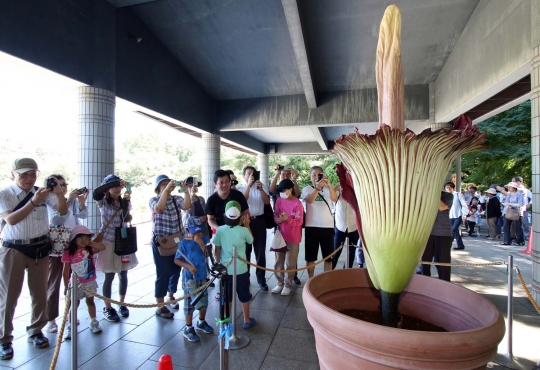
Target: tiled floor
282 338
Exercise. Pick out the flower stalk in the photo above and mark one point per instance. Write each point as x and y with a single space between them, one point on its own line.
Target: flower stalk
393 179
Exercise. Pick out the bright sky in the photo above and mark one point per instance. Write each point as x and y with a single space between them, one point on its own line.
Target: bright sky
39 105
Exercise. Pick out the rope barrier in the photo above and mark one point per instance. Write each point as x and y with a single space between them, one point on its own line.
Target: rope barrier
153 305
527 290
462 264
60 333
157 305
292 270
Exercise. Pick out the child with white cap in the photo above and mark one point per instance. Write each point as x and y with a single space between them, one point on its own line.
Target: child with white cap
233 235
79 258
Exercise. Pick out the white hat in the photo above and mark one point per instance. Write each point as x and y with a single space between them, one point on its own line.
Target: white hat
513 184
491 191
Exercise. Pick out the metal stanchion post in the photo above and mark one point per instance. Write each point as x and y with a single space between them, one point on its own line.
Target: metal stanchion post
509 360
236 342
347 257
73 326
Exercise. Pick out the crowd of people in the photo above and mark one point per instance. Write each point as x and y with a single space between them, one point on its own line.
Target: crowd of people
184 225
502 210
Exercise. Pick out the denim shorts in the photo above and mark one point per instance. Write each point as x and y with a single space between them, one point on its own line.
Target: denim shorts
202 305
242 287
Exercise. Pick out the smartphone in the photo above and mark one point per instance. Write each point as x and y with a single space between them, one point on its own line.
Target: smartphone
257 175
128 189
195 181
319 177
81 191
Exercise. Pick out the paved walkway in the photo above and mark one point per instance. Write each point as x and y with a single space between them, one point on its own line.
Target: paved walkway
282 338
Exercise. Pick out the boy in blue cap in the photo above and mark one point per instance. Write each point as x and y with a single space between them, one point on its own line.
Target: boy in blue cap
233 235
191 256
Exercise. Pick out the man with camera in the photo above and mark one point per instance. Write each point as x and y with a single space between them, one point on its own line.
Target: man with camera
283 173
319 218
25 246
256 194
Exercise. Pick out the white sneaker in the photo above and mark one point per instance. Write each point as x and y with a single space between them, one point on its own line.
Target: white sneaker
67 333
94 327
277 289
52 327
286 291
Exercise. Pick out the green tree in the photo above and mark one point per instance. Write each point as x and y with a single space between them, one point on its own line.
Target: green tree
509 149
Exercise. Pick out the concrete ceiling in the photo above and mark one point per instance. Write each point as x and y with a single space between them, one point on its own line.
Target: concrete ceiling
255 49
238 49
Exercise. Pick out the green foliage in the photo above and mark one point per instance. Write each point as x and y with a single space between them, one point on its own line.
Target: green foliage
509 153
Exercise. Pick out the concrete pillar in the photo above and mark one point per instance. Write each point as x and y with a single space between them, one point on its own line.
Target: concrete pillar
262 165
96 143
535 144
210 163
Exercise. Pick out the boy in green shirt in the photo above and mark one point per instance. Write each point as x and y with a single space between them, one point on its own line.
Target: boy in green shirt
233 235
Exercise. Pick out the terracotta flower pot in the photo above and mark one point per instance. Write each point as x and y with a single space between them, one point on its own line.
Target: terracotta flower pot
475 326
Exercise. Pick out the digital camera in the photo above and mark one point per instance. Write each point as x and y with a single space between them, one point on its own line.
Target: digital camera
234 182
81 191
51 183
280 168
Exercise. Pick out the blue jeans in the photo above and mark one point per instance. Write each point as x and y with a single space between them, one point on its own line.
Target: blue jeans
456 223
167 273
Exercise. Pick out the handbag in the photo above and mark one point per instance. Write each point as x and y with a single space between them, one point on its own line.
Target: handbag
125 240
99 236
59 236
512 214
168 244
278 243
269 216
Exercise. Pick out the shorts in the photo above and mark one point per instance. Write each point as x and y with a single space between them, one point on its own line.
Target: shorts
202 305
315 236
242 288
91 286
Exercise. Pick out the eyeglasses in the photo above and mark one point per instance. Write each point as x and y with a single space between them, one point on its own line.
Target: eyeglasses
28 174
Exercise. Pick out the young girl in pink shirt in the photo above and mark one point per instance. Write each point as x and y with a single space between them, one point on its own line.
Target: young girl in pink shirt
289 215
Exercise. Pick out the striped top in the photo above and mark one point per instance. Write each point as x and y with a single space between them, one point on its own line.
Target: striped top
36 224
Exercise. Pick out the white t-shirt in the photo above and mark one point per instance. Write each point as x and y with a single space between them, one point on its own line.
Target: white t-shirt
255 201
345 217
318 213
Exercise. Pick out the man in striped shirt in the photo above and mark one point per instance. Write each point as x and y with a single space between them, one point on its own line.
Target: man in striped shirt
25 246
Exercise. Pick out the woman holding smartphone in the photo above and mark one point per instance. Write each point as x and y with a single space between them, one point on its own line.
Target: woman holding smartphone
76 202
114 213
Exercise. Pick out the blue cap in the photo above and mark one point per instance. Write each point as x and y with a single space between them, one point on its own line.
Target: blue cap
194 225
159 179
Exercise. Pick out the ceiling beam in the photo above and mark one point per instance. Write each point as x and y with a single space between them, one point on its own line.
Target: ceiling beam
320 136
292 15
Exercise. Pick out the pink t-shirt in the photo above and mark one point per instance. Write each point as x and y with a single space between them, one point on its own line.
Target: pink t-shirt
82 264
291 230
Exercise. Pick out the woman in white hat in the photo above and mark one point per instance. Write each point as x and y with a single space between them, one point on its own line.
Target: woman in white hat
514 200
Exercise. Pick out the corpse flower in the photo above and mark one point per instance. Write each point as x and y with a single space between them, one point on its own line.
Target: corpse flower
393 179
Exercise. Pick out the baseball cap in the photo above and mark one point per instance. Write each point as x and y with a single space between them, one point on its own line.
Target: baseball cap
80 230
22 165
194 224
233 211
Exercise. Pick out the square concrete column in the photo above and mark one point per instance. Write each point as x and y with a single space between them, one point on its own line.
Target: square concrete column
535 151
211 156
96 143
262 165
